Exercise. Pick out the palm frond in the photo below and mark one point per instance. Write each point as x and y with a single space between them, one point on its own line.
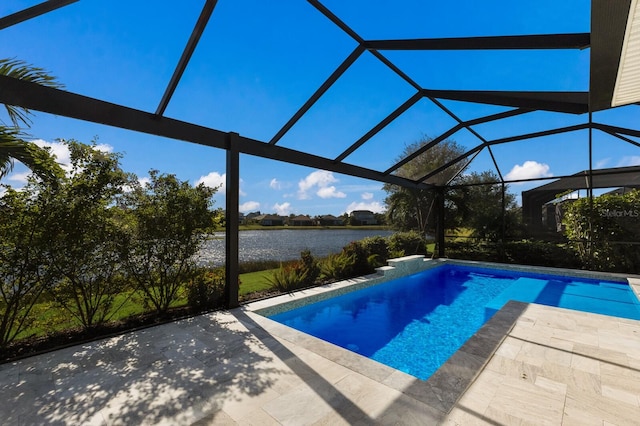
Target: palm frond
10 142
39 160
23 71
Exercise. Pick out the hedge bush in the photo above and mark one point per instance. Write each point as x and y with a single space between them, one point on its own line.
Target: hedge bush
525 252
377 249
407 243
205 289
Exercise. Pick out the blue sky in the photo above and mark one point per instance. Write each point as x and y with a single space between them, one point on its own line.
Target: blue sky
258 62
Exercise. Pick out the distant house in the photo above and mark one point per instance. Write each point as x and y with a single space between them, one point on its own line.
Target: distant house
363 217
330 220
270 220
300 221
250 217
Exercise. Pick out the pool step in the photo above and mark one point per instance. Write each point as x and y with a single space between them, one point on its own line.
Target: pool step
602 297
522 290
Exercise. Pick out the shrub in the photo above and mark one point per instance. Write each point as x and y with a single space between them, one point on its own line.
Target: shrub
294 275
541 253
83 229
360 264
166 223
525 252
205 289
604 231
288 278
407 243
377 250
469 251
24 274
308 267
337 266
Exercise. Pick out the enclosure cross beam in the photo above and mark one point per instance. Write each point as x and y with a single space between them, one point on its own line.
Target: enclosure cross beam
201 23
32 12
67 104
519 42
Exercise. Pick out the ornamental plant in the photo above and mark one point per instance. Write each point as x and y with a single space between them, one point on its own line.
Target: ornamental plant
407 243
287 278
205 289
605 232
300 274
23 274
83 235
165 223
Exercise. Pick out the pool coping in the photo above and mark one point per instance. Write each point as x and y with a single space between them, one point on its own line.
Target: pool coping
445 387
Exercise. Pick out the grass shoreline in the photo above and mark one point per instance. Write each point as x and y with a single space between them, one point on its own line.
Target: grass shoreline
314 228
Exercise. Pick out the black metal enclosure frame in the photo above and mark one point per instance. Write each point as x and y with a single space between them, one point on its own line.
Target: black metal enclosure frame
608 23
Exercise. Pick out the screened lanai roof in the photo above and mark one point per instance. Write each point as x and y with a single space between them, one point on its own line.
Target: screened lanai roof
618 177
341 54
526 88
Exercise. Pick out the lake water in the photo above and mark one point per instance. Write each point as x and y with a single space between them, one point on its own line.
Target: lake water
284 244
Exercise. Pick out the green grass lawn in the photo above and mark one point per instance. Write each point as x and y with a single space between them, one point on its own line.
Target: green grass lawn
459 234
255 281
52 318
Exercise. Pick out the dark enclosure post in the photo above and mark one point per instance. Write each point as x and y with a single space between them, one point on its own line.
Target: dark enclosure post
591 248
503 224
440 221
231 221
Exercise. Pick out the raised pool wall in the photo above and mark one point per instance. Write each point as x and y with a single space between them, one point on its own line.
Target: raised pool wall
408 265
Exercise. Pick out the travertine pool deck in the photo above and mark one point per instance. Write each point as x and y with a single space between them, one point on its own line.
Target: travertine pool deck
547 366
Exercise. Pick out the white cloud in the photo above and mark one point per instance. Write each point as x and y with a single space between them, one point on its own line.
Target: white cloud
61 153
282 209
603 163
19 177
59 150
62 156
214 180
103 147
303 195
249 206
631 160
374 206
142 181
528 170
330 192
322 180
361 187
367 196
275 184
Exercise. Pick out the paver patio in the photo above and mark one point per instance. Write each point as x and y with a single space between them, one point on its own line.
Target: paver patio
549 366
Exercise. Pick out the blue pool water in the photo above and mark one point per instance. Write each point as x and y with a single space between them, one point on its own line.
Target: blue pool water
415 323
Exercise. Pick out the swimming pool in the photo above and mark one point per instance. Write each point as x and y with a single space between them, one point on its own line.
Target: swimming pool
415 323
